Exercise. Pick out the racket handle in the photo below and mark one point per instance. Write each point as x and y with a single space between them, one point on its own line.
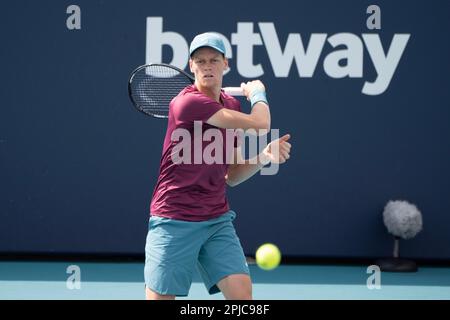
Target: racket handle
234 91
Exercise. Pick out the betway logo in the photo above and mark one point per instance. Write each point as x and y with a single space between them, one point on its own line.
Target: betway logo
283 57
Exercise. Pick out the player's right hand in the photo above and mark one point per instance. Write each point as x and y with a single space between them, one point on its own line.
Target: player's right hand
252 86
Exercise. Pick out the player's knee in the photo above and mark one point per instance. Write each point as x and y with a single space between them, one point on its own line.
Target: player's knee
152 295
245 296
242 294
242 291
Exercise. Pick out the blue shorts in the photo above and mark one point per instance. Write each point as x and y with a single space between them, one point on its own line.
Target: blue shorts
175 248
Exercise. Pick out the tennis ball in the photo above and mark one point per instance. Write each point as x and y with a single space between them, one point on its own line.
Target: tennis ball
268 256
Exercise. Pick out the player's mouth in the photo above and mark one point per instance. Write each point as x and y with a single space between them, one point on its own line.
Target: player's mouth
208 76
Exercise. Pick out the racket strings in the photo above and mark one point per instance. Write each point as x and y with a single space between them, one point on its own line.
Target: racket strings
154 87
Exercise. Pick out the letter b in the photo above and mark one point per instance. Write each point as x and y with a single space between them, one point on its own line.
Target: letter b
156 39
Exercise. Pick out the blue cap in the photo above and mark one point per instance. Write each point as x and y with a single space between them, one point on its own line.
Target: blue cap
209 39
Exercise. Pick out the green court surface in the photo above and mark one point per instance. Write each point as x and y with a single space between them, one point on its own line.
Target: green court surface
117 281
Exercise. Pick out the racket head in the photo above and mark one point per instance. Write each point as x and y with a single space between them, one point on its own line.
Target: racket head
152 87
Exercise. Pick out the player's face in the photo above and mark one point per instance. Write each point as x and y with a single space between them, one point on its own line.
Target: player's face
208 66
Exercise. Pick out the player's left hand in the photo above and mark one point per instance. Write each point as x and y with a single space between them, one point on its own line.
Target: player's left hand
278 151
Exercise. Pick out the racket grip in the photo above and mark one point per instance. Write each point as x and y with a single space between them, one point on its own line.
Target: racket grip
234 91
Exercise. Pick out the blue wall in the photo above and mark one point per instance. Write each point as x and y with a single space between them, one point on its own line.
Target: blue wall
78 164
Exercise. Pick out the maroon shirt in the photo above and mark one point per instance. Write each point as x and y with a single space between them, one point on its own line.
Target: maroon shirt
192 192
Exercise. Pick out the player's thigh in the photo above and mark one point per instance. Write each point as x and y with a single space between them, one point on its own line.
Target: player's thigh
221 255
171 253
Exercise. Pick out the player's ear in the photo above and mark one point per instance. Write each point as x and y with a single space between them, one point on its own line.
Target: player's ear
225 60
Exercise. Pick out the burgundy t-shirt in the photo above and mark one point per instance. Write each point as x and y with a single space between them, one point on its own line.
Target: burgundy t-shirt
190 191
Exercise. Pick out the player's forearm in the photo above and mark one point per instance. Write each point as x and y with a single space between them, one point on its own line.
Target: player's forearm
238 173
261 116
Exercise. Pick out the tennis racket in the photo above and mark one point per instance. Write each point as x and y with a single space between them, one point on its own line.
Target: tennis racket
152 87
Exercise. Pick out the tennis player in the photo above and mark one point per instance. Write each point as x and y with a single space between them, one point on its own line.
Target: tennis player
190 224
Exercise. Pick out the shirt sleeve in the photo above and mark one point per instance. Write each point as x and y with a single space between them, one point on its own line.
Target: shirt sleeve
193 107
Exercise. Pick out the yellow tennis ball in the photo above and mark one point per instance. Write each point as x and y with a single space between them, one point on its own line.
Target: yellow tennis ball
268 256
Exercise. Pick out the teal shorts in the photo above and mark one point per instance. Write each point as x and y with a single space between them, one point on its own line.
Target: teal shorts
175 249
